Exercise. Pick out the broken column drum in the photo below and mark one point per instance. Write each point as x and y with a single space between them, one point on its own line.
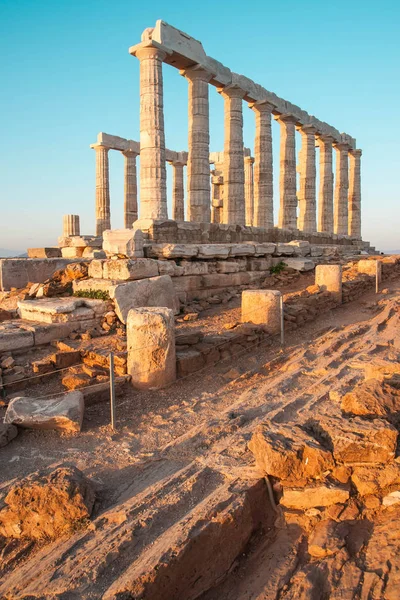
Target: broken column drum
71 226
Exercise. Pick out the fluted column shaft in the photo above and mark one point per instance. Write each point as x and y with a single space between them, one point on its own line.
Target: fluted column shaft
355 193
340 216
153 175
287 178
198 166
71 225
217 199
234 206
178 192
307 220
103 219
130 189
325 197
249 189
263 214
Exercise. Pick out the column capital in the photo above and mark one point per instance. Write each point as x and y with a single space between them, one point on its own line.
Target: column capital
286 118
325 139
307 129
176 163
232 91
262 106
249 159
356 152
149 49
197 72
99 147
341 146
130 153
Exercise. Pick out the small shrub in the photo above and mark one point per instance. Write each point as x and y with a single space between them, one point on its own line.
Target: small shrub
278 268
94 294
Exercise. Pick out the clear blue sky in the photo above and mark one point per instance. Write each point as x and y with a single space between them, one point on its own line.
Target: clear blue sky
66 75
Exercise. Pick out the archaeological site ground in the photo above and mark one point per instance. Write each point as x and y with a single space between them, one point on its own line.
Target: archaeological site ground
202 405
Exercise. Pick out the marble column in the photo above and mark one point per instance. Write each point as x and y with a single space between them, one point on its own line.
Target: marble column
178 193
217 193
287 178
233 207
198 166
263 214
130 188
153 174
355 193
103 220
325 196
71 226
307 220
249 189
340 208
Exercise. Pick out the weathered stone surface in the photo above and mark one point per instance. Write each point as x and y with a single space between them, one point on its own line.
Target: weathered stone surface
371 480
178 250
128 242
18 272
128 269
301 247
300 264
47 506
194 267
72 252
151 347
156 291
262 307
329 278
312 497
242 250
44 252
61 310
64 413
373 398
284 249
7 433
189 361
287 452
14 338
213 250
265 249
325 540
356 440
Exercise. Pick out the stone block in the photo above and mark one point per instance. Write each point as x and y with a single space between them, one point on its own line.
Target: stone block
125 269
370 267
64 413
194 267
189 361
126 242
264 249
224 266
169 267
316 251
13 338
93 253
95 269
259 264
329 278
242 249
213 251
7 433
262 307
312 497
44 252
18 272
61 310
188 283
151 347
152 292
72 252
180 250
284 249
80 241
301 247
300 264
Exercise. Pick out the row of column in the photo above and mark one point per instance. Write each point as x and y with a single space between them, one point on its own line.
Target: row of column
338 212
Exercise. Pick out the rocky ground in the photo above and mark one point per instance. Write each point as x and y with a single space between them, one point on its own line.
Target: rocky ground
183 506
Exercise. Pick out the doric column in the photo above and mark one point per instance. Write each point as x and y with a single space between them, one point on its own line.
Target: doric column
178 193
263 214
198 167
71 225
340 213
130 189
153 175
249 188
307 220
287 178
325 197
103 220
355 193
217 190
233 208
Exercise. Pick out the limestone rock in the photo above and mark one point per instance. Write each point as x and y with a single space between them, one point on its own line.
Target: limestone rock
47 506
373 398
355 440
288 453
325 540
64 413
128 242
7 433
284 249
300 264
128 269
44 252
312 497
155 291
213 250
371 480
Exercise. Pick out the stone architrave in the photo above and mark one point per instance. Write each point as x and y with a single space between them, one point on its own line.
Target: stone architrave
71 226
287 178
178 191
103 219
234 206
325 198
249 189
151 359
130 188
355 193
307 220
198 168
153 174
341 214
263 214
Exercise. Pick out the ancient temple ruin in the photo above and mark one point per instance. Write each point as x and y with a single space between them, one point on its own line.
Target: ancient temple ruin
239 188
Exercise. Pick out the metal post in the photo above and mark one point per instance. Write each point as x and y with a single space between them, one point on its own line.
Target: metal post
377 278
112 391
282 321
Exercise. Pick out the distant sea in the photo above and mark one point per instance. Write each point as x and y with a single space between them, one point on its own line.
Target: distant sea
4 253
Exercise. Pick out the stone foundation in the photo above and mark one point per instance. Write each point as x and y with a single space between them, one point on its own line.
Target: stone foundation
18 272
